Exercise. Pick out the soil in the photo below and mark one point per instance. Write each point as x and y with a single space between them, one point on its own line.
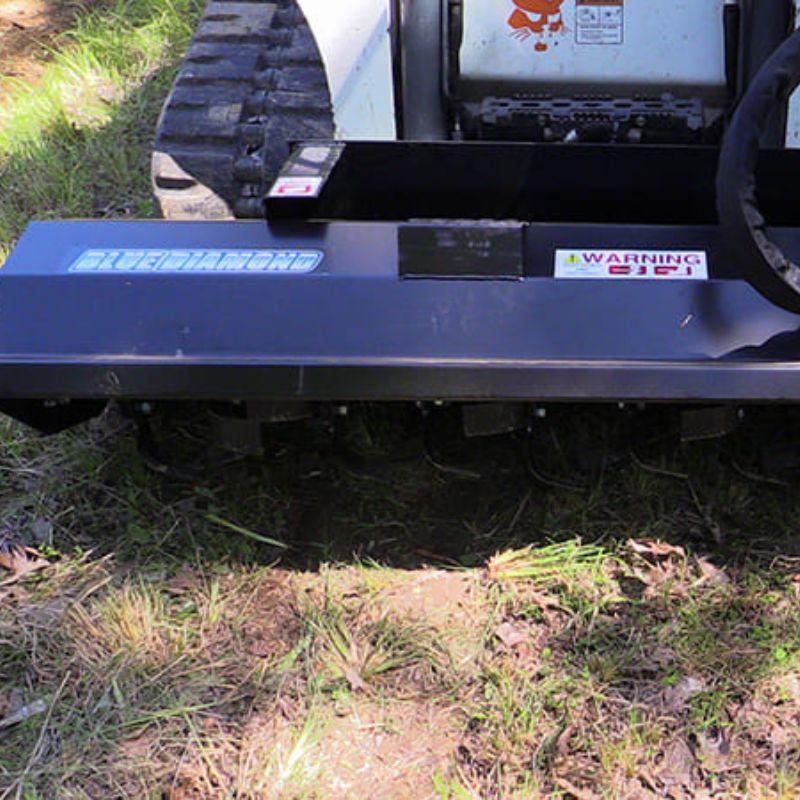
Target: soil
389 750
28 31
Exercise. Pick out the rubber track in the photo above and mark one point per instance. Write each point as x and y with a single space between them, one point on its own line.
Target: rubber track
251 82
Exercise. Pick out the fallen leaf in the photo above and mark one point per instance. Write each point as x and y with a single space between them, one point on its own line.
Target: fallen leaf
138 747
714 751
677 765
20 560
579 793
710 574
676 698
651 547
355 680
510 635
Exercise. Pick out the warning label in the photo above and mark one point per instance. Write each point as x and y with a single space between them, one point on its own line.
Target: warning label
600 21
207 261
632 264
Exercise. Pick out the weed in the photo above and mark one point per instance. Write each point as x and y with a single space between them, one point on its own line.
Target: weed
545 566
357 648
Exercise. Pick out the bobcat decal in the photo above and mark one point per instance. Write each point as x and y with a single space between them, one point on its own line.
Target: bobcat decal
535 17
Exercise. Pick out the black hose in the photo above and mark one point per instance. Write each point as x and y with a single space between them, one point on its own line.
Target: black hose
762 262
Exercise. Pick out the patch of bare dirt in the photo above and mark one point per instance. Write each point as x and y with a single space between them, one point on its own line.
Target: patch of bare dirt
451 603
435 596
260 622
270 628
28 30
389 751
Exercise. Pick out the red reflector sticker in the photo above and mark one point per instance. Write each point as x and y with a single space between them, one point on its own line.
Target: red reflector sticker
296 187
663 265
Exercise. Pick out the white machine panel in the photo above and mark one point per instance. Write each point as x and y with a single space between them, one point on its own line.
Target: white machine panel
619 47
793 121
353 39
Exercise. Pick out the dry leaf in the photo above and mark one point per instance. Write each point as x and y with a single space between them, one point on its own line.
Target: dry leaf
355 680
676 698
711 575
651 547
678 765
138 747
579 793
20 560
510 635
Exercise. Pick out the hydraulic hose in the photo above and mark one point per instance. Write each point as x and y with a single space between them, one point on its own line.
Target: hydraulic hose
762 262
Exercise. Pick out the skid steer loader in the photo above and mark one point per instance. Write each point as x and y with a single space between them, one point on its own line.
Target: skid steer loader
497 203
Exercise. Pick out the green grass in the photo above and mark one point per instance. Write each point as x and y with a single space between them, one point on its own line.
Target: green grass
76 144
356 647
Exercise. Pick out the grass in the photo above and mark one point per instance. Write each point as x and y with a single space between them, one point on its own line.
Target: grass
357 647
291 628
75 145
563 562
195 661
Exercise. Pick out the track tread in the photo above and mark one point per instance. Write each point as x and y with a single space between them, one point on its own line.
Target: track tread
252 81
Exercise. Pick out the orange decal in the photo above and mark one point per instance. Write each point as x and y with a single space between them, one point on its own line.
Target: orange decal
537 17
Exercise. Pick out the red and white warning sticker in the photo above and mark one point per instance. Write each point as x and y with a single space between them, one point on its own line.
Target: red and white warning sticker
659 265
297 186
